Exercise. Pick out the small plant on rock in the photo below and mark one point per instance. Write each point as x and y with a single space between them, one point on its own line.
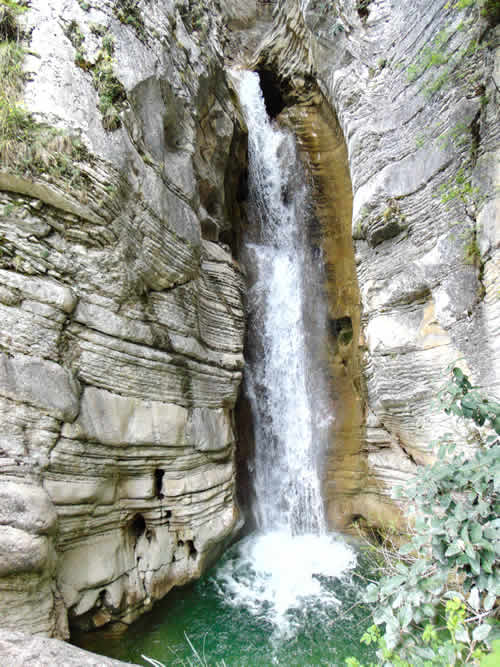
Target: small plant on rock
112 94
14 120
10 10
128 12
28 147
491 11
192 15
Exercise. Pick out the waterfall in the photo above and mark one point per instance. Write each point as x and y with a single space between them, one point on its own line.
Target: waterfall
287 318
288 568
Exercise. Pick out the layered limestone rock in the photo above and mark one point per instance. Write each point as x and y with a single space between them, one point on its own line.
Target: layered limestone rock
121 311
423 153
415 90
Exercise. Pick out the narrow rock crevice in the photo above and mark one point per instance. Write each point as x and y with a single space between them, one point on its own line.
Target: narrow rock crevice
158 477
137 528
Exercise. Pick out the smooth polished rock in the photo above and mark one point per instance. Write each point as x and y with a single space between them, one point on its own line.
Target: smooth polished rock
41 383
210 430
22 650
21 552
26 507
122 421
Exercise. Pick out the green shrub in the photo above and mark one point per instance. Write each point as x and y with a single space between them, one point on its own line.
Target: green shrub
491 11
436 601
112 94
192 15
460 188
27 147
472 251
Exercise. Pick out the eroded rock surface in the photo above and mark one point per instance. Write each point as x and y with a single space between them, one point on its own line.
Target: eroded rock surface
414 86
423 143
121 317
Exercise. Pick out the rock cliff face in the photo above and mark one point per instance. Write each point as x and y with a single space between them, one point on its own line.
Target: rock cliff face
414 88
121 311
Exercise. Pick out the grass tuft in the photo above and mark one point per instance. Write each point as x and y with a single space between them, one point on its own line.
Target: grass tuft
10 10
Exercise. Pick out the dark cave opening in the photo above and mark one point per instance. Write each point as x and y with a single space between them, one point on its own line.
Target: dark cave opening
271 90
192 549
158 485
341 329
362 9
137 526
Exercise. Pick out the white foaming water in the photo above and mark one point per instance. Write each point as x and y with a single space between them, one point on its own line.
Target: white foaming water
281 568
282 381
278 577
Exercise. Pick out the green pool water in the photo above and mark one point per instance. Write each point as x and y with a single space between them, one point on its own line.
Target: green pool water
272 600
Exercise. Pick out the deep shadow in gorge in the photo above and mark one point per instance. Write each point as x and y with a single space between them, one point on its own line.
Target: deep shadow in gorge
271 90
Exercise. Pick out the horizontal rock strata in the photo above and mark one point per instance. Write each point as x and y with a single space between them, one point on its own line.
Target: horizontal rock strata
121 314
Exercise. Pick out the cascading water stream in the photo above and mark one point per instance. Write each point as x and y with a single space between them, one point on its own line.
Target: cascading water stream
280 571
286 390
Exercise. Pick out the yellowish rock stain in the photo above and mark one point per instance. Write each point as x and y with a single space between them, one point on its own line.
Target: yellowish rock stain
322 143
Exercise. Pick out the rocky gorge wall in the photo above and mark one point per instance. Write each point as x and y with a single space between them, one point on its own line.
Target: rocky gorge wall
415 88
122 302
414 92
121 311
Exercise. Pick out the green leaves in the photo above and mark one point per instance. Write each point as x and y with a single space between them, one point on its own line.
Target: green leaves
456 538
371 593
480 633
453 549
473 599
371 636
10 10
459 398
